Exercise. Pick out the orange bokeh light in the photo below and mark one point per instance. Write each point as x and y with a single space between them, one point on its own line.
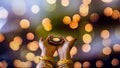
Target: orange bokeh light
24 24
66 20
107 50
86 48
94 17
30 36
30 56
2 38
99 63
87 38
108 11
88 27
73 25
115 62
77 65
76 17
33 46
105 34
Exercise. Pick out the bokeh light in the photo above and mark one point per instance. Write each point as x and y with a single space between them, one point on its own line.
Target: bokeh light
107 50
115 14
30 36
24 24
108 11
73 51
66 20
65 3
107 1
106 42
116 48
69 38
115 62
84 10
99 63
86 64
51 1
18 40
86 2
37 59
88 27
33 46
73 25
2 38
46 23
94 17
105 34
76 17
77 65
14 46
87 38
35 9
30 56
86 47
3 13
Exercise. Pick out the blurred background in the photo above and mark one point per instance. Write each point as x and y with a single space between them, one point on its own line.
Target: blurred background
95 23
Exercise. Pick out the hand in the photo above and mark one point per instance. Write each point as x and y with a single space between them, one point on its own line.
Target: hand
64 49
47 49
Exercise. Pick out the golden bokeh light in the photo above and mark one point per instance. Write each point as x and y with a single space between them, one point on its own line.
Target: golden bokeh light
65 3
86 47
77 65
88 27
30 56
94 17
30 36
115 62
105 34
69 38
84 10
73 51
76 17
107 50
86 2
87 38
86 64
2 38
28 64
106 42
46 23
37 59
33 46
115 14
108 11
107 1
3 64
99 63
24 24
73 25
116 48
18 40
14 46
66 20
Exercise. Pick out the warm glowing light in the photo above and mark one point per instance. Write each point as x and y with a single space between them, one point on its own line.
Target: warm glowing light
86 64
73 25
65 3
37 59
106 42
88 27
76 17
107 1
105 34
51 1
55 54
77 65
35 9
99 63
115 14
94 17
28 64
2 38
107 50
30 56
3 13
33 46
108 11
84 10
87 38
30 36
73 51
3 64
24 24
17 63
86 48
18 40
87 2
69 38
116 48
46 22
115 62
22 7
14 46
66 20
